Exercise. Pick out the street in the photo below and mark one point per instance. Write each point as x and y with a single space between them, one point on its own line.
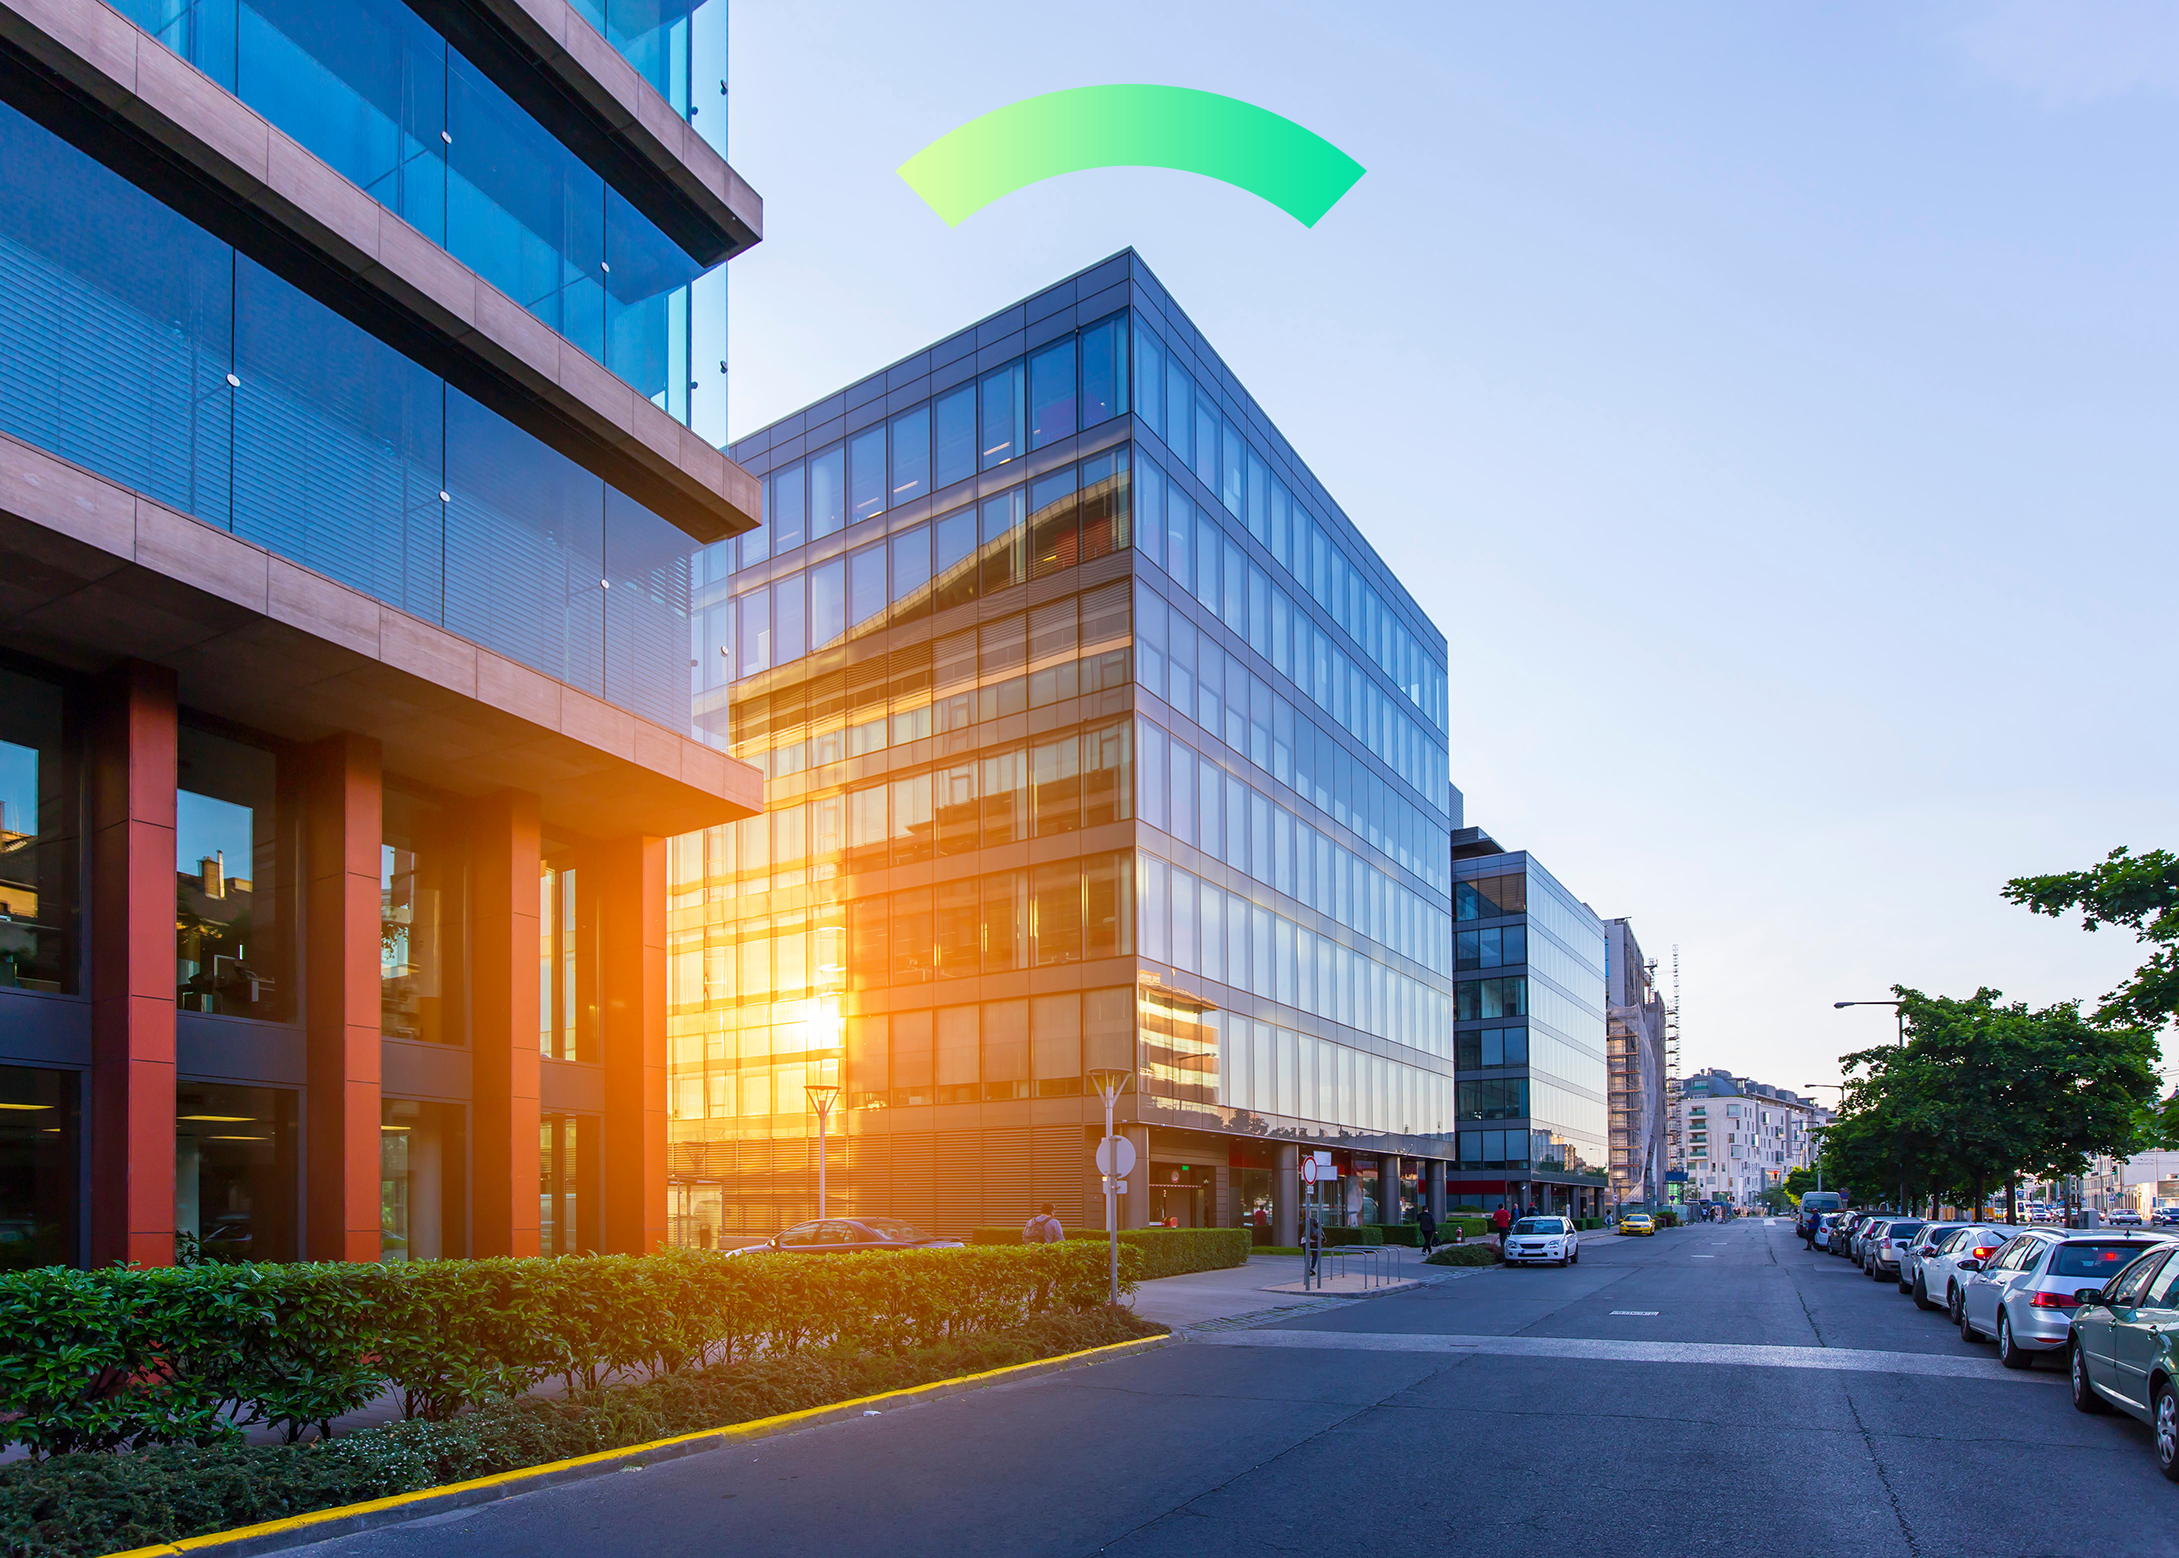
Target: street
1705 1390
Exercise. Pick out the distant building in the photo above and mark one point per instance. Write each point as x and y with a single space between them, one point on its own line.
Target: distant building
1529 998
1634 1050
1738 1137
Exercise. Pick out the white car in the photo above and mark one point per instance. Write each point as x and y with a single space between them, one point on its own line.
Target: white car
1536 1241
1945 1270
2123 1217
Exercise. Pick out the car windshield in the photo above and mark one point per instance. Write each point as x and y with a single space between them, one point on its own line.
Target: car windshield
2093 1260
1540 1225
893 1229
1904 1230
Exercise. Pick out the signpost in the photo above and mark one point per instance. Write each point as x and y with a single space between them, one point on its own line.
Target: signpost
1115 1157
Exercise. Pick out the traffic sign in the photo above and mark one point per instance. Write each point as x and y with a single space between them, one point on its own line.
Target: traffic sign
1115 1156
1308 1171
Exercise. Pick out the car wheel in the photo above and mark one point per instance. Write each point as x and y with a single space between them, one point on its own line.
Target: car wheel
1967 1329
1921 1296
2009 1353
1905 1286
2164 1414
1577 1255
2085 1398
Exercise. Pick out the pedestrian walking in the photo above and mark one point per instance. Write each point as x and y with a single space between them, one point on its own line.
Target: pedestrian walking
1429 1226
1502 1219
1043 1228
1312 1243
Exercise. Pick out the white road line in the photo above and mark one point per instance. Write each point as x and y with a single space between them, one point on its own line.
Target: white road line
1634 1311
1835 1359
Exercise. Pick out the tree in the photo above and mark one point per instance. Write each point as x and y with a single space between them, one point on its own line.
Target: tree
1776 1199
2140 892
1800 1182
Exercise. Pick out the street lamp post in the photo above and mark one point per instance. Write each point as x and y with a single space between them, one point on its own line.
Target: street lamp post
1899 1010
1111 1082
822 1096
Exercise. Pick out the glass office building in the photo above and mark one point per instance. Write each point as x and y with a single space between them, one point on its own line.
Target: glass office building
361 387
1094 735
1529 1018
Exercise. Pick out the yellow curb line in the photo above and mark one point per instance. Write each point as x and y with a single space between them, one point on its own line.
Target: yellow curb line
479 1490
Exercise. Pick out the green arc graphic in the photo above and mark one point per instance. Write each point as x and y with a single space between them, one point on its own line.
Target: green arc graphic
1223 138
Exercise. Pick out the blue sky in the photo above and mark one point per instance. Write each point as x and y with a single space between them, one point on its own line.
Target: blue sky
1774 405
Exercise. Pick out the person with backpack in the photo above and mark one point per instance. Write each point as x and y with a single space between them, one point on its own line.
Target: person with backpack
1429 1229
1043 1228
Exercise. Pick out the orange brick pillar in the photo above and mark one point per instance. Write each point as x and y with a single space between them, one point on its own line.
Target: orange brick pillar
631 898
504 863
342 828
132 761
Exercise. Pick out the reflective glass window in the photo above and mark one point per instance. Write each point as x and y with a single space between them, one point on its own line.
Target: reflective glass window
1052 405
1001 433
40 1142
911 581
866 472
1150 380
235 1172
1104 370
911 455
40 849
955 565
232 906
828 492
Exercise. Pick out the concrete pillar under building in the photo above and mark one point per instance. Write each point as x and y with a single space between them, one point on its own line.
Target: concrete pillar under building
1286 1197
343 799
1221 1209
631 894
1434 1192
1350 1194
1135 1205
133 731
505 846
1388 1188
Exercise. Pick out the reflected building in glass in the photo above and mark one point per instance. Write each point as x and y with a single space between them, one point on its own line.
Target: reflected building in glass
1529 1000
1094 735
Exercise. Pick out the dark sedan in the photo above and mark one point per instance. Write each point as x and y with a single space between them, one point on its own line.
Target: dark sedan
852 1235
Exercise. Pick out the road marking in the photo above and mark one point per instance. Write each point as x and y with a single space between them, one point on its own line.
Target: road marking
1702 1257
1850 1360
1634 1311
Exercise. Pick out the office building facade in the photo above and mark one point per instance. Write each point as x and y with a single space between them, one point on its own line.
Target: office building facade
1530 1000
1095 736
363 371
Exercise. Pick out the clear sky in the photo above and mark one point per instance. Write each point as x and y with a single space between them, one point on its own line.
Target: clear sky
1775 405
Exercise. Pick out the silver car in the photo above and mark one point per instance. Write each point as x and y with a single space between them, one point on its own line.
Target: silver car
1857 1247
2026 1293
1885 1247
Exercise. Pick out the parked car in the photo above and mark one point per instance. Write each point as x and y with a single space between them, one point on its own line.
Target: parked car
1946 1270
1638 1223
1536 1241
1917 1250
2123 1349
2024 1295
1855 1230
1808 1221
1866 1236
1886 1247
853 1235
1840 1234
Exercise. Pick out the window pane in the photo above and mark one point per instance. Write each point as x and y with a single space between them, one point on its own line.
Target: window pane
1004 787
1055 1040
955 808
1053 538
1000 437
1004 559
866 471
39 850
828 602
1179 411
1051 393
954 441
828 492
1104 370
1056 775
785 521
954 563
231 937
911 454
911 590
914 946
234 1170
866 588
1006 921
1106 505
1058 911
753 633
1230 465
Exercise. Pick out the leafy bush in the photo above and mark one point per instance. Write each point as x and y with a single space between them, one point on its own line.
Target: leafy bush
1164 1252
1463 1255
82 1504
1370 1235
193 1355
1408 1234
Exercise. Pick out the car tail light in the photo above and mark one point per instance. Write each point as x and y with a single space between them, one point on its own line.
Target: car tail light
2052 1301
1985 1251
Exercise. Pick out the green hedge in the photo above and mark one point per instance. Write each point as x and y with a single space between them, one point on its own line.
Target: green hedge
1164 1252
116 1358
1463 1255
75 1506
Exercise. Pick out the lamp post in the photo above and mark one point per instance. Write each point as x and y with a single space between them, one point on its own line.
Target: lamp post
1899 1011
1111 1082
822 1096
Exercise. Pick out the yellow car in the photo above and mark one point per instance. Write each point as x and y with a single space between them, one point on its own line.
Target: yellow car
1638 1222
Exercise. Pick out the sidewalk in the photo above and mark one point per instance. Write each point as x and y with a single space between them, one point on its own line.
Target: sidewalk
1265 1284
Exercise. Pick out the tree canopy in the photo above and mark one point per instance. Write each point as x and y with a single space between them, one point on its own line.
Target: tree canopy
2140 892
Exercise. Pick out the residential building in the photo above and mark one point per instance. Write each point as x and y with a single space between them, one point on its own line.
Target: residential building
1634 1046
360 431
1530 998
1095 736
1739 1137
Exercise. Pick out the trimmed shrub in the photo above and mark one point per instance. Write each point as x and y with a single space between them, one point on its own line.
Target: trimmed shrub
194 1355
83 1504
1462 1255
1164 1252
1374 1234
1407 1234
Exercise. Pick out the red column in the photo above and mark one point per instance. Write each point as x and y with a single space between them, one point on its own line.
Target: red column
132 967
342 828
504 849
631 900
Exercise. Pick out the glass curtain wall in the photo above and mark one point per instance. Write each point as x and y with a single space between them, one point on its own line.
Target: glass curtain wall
369 87
133 343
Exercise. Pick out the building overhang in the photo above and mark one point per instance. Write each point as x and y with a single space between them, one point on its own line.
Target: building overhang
92 573
202 149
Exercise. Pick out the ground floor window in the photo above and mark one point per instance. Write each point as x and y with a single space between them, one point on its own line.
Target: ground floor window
423 1179
567 1184
39 1167
235 1172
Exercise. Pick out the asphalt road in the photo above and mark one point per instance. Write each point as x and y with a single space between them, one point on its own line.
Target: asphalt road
1713 1389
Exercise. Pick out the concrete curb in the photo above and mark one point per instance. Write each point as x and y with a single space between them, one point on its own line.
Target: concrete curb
346 1519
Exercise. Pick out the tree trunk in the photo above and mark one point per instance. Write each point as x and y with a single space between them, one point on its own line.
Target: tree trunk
1976 1214
2012 1199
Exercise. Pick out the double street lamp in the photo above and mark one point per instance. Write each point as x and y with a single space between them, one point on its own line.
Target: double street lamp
1899 1011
